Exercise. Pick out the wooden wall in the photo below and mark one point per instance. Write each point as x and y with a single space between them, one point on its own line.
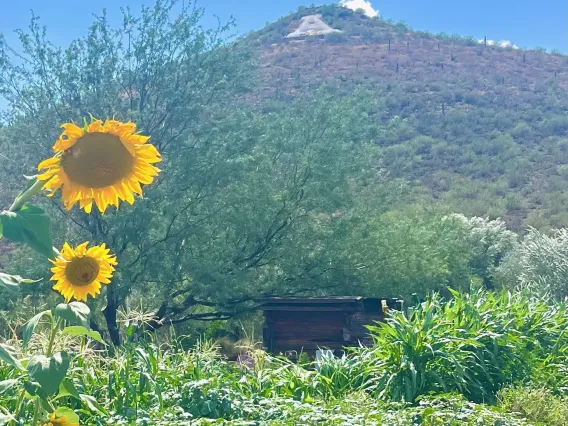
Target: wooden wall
301 329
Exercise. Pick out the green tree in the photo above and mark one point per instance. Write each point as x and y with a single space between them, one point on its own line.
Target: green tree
246 206
399 253
166 74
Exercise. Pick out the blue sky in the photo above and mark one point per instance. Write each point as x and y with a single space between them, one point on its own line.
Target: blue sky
525 23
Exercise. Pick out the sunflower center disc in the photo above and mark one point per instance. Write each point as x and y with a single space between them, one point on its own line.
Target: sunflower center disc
97 160
82 271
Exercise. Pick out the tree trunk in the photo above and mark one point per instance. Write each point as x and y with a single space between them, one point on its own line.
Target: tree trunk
110 315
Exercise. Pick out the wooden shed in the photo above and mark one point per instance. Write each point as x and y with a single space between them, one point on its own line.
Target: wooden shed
294 325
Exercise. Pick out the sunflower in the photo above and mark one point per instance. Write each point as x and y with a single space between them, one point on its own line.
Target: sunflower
54 420
102 162
80 271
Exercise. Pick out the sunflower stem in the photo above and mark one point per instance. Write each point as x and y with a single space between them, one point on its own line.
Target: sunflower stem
36 411
18 407
25 196
52 337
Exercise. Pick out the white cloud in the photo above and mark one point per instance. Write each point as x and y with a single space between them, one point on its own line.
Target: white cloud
500 43
364 5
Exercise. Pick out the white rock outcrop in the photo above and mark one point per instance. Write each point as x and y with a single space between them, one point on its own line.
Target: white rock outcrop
311 25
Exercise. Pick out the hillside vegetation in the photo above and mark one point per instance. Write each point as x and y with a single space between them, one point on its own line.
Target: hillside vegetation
482 129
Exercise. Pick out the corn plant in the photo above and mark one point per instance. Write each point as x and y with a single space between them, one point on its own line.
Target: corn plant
473 344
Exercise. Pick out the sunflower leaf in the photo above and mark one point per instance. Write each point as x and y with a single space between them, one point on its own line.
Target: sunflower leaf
30 327
79 330
7 354
49 372
28 225
12 282
67 412
67 388
34 389
45 404
75 313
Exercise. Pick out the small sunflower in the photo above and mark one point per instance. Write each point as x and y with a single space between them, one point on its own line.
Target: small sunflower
81 271
102 162
54 420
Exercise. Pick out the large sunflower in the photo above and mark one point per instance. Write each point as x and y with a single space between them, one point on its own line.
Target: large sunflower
102 162
80 271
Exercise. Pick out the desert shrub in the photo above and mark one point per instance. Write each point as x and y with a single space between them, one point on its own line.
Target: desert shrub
537 405
540 263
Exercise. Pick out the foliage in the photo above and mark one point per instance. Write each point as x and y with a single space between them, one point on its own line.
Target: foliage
310 194
262 196
490 241
151 384
481 129
246 196
421 250
472 344
537 405
39 380
539 263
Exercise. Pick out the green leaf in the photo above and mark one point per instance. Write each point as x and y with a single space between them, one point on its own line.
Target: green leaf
67 388
49 372
12 282
79 330
67 412
30 327
7 355
34 389
92 403
31 181
6 385
45 404
6 418
29 225
73 313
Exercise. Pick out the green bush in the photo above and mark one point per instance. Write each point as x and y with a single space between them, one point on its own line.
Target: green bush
537 405
472 344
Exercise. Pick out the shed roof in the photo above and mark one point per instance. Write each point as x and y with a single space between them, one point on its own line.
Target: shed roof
332 303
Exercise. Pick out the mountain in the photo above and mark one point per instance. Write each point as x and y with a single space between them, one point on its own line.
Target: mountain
475 126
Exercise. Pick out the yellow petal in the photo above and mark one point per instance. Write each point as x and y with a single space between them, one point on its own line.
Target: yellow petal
129 198
86 204
50 162
48 175
81 249
95 126
72 130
